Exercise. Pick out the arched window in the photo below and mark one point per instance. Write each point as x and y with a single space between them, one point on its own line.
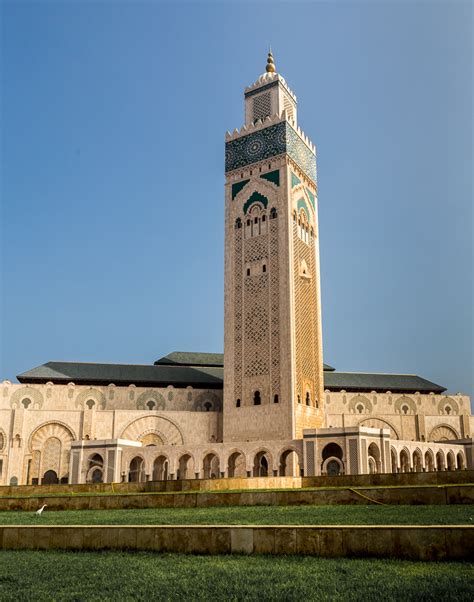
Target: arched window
275 398
248 271
299 399
208 406
237 403
264 268
257 400
273 213
238 223
150 404
90 403
405 409
360 408
25 403
263 218
447 409
308 398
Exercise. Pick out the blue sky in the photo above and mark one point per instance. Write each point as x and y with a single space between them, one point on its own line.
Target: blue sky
113 123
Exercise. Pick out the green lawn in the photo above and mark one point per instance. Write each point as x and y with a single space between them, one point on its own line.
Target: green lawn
258 515
45 576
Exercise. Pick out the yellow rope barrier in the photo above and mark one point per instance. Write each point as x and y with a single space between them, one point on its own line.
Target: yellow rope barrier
367 498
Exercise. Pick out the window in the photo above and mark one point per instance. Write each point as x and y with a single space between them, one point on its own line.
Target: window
90 403
248 222
360 408
273 213
264 268
208 406
257 400
263 218
308 398
248 271
255 220
405 409
299 399
447 409
275 399
25 403
150 404
238 223
237 403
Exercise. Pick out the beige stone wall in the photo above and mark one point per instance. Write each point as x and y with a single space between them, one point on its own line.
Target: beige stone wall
409 417
39 422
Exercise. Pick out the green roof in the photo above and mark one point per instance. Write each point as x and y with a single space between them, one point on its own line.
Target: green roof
194 358
125 374
359 381
208 376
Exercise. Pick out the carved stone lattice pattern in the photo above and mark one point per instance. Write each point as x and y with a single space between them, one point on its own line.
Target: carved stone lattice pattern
166 429
305 319
274 308
91 394
378 423
443 433
353 456
34 395
238 275
256 325
262 106
153 396
52 455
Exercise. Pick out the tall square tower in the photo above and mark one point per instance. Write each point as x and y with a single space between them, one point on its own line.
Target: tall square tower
273 365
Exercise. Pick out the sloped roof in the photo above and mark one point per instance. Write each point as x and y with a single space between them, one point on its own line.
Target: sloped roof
124 374
360 381
194 358
162 375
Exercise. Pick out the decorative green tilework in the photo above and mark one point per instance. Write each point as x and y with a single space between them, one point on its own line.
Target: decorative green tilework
272 176
302 205
294 180
237 187
256 198
312 198
268 142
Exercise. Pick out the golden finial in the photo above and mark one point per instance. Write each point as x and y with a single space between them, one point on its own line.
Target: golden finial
270 63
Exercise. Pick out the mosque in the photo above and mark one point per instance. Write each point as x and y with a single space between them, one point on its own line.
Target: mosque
268 406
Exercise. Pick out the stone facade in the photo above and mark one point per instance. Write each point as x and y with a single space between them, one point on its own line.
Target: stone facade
265 412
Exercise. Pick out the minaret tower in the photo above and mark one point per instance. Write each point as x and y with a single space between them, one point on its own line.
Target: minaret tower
273 370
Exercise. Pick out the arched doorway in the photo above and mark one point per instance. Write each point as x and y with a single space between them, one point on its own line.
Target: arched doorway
97 476
95 469
236 465
393 457
460 461
374 458
289 464
50 477
417 461
440 461
261 464
136 473
160 469
210 466
404 461
429 461
332 457
185 467
450 461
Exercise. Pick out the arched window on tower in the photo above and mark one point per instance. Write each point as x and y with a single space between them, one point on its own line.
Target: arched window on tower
308 398
257 400
273 213
237 403
238 223
275 398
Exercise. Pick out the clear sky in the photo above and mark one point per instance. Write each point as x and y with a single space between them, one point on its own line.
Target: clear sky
113 123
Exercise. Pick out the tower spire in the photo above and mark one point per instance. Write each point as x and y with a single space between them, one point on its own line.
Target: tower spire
270 63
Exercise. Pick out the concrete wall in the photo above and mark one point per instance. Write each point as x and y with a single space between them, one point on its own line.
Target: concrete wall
410 542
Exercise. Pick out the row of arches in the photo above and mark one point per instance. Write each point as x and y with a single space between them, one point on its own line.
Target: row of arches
213 466
417 461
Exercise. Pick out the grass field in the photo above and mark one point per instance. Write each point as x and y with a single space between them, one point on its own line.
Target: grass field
45 576
257 515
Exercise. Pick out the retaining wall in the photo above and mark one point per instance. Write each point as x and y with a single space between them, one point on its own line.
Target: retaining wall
411 542
367 480
439 495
